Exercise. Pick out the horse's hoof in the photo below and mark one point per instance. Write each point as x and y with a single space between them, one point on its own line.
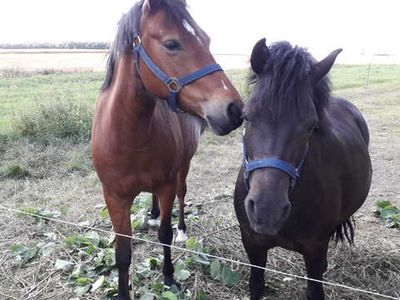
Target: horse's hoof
154 223
172 284
181 237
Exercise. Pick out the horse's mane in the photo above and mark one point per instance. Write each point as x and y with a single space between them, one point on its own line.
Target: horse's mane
285 84
128 28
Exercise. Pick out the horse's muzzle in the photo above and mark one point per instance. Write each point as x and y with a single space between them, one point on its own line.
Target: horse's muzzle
267 218
225 123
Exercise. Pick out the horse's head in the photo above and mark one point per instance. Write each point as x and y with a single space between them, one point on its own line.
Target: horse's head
280 118
178 47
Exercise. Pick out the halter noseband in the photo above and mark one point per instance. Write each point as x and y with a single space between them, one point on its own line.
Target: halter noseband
173 84
275 163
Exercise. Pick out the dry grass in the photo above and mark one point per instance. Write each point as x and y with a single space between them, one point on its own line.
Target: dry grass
61 177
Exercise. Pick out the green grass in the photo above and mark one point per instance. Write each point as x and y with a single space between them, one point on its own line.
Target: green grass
20 93
352 76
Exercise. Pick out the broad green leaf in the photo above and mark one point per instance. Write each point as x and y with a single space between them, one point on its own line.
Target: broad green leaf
201 259
192 244
81 290
64 265
215 270
157 287
383 204
104 213
168 296
229 277
153 263
82 281
147 296
93 237
182 275
98 283
202 295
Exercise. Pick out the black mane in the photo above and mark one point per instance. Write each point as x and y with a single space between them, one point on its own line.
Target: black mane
128 28
284 86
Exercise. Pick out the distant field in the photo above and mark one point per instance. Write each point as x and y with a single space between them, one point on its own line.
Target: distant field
94 60
33 60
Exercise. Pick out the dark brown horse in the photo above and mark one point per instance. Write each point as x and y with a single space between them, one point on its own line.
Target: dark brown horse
306 168
138 142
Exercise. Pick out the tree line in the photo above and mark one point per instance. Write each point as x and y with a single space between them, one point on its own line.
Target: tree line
64 45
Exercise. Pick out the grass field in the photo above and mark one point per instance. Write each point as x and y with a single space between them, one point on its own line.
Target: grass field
58 180
18 92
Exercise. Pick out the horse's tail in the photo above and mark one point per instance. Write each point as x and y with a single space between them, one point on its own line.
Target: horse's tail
344 230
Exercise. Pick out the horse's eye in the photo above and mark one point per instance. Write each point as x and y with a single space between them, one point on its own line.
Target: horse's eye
172 45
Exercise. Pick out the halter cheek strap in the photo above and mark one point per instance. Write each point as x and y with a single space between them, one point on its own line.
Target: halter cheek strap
173 84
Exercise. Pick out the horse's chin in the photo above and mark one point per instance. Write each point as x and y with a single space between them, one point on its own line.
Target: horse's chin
219 127
265 228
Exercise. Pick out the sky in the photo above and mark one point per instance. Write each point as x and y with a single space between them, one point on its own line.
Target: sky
369 26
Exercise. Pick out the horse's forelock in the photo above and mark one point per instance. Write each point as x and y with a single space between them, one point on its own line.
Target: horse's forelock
284 87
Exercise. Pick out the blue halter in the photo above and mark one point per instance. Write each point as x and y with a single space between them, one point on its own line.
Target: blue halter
173 84
275 163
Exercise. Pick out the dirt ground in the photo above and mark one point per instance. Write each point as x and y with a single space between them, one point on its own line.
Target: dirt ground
372 264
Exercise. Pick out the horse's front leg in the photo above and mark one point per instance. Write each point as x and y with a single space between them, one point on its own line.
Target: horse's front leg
314 254
119 210
257 256
165 233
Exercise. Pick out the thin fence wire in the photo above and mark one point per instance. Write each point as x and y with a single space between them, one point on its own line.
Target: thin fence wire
197 253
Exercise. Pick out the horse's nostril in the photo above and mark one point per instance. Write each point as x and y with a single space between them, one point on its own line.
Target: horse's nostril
235 114
251 206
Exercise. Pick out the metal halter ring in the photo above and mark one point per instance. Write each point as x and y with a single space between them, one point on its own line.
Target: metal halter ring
174 85
137 41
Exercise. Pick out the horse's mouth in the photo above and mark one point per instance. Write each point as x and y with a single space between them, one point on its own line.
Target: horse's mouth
216 128
265 228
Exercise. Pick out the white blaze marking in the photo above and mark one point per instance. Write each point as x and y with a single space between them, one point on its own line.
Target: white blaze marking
224 85
192 31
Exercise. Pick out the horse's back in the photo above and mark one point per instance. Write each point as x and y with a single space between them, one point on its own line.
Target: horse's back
344 106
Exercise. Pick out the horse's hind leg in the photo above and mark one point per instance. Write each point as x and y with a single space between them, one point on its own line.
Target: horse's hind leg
119 210
155 211
316 264
165 233
257 256
181 237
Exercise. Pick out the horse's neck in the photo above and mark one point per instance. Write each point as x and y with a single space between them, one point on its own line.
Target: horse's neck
132 105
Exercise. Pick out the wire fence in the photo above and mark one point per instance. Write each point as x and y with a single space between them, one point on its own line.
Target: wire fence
59 221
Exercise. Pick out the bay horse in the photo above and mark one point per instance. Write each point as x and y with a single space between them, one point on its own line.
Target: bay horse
159 64
306 164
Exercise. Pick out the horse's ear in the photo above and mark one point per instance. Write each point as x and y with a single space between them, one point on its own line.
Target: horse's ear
322 68
259 56
151 6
